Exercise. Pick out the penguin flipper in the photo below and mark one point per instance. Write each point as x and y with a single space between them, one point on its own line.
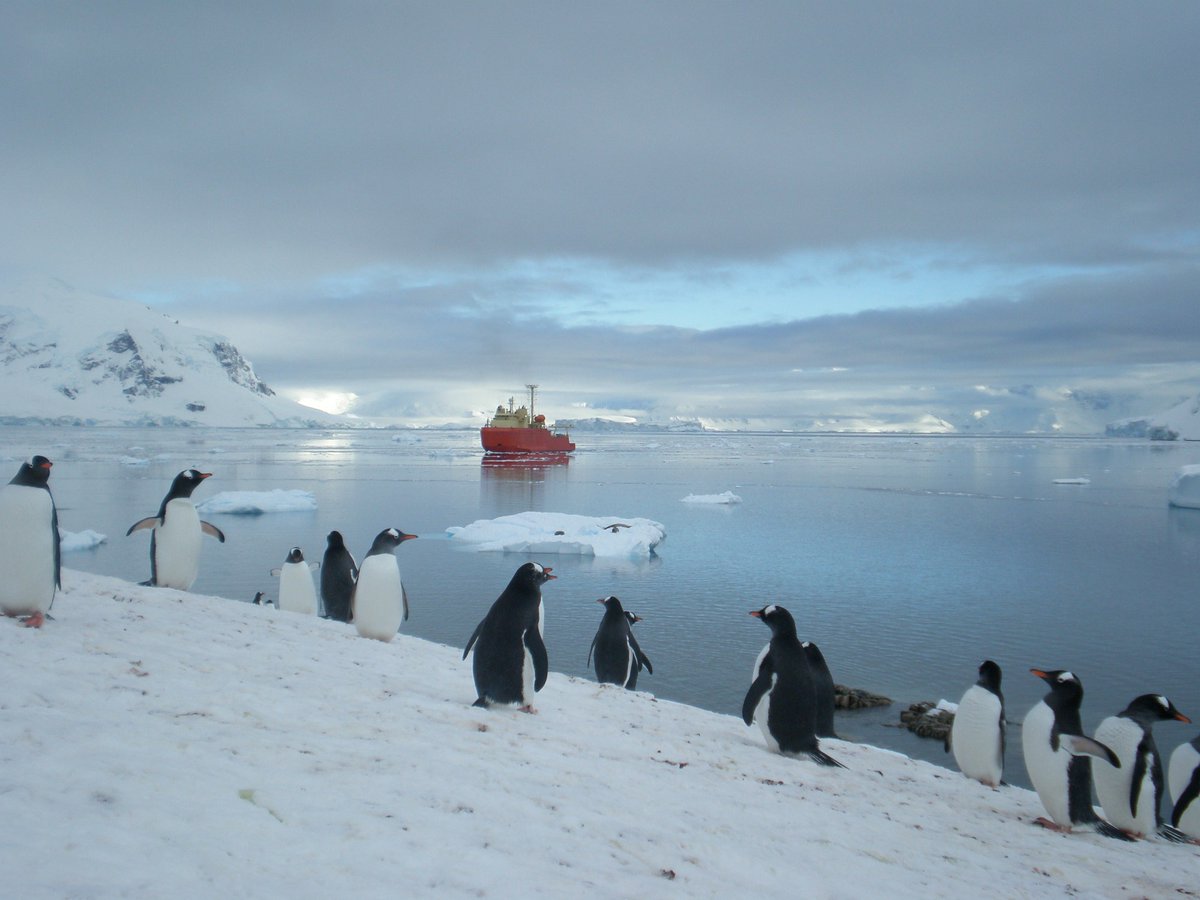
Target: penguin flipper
820 756
541 661
1185 799
404 599
57 547
760 686
1139 775
642 658
591 648
1080 745
148 522
474 637
1112 831
212 531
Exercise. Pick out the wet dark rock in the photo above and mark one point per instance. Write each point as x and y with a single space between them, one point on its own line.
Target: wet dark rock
854 698
925 720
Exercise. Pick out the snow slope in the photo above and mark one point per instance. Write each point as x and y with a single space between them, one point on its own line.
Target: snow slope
155 743
68 357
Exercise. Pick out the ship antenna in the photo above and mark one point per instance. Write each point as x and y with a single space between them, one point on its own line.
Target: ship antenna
532 390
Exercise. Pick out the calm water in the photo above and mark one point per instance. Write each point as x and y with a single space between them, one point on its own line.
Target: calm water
908 559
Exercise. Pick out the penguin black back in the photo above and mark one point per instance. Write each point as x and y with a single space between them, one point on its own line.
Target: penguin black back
619 659
824 695
338 571
510 661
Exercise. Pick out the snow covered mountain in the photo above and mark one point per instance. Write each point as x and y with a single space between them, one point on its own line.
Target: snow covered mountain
72 358
1180 422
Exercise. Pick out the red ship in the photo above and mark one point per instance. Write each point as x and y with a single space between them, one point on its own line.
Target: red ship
519 430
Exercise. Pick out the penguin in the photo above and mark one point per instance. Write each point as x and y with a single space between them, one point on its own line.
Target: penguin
1058 756
1183 778
30 555
296 591
782 696
258 599
822 688
978 733
175 534
618 656
1131 794
379 602
510 662
338 572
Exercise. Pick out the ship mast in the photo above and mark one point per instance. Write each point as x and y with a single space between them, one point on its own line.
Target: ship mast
532 390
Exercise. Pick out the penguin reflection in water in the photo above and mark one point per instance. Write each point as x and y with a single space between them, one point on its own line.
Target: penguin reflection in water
1058 756
176 533
1131 794
782 696
618 656
510 662
30 559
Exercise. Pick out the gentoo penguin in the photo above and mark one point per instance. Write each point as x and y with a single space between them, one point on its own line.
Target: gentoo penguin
30 561
510 662
379 602
782 697
823 693
977 735
1131 795
1183 778
1057 756
618 656
296 591
258 599
175 535
338 571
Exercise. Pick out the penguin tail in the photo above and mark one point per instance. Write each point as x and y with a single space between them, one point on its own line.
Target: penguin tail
481 703
1172 834
1111 831
820 756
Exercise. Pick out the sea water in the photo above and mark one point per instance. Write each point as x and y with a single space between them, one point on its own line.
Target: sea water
908 559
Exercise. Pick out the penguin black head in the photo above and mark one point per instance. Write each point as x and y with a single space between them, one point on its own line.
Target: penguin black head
186 482
295 555
258 598
533 575
335 540
777 618
1065 687
612 604
388 540
34 473
1150 707
989 676
632 617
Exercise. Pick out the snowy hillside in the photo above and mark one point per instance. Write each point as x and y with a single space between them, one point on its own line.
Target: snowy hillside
161 744
67 357
1180 422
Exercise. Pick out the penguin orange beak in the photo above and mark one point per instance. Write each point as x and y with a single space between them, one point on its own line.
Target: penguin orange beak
1038 672
637 618
1182 718
600 600
547 570
47 464
757 613
204 475
408 537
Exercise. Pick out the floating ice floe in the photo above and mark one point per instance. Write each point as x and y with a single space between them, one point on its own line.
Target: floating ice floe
726 497
543 532
73 541
1072 481
1185 488
134 461
255 503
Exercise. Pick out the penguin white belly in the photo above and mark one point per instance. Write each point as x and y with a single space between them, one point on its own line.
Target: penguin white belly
630 661
378 602
1047 767
762 715
1113 786
527 671
26 550
296 590
1183 763
177 546
975 736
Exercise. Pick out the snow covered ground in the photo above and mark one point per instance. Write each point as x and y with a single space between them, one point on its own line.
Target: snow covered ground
155 743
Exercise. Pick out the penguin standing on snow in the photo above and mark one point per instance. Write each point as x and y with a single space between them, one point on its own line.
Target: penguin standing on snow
618 656
1183 778
824 696
175 534
296 591
978 733
338 572
379 602
1058 756
30 558
1131 794
782 697
510 662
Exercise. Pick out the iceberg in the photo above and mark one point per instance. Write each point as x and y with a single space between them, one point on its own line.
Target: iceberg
727 497
562 533
1184 491
74 541
255 503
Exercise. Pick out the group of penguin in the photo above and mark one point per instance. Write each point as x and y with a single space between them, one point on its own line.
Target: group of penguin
1127 774
791 694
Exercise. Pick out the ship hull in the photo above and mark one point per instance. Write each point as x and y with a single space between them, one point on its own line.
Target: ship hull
524 440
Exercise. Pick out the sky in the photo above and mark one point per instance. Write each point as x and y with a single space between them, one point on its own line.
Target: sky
851 214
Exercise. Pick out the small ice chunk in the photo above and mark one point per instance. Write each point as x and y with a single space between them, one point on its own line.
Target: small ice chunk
255 503
727 497
74 541
562 533
1185 488
1072 481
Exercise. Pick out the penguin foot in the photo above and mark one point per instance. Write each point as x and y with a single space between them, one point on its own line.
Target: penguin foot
34 621
528 708
1052 826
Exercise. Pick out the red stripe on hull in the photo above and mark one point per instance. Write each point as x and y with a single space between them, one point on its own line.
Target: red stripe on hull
524 440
